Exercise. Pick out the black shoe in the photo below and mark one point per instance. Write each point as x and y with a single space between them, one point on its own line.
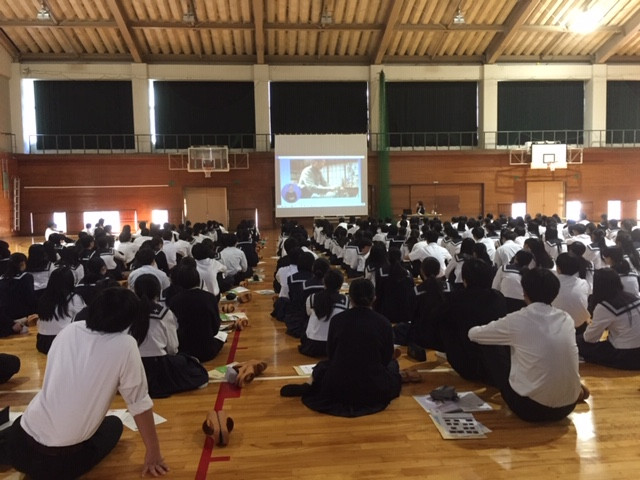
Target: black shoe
294 390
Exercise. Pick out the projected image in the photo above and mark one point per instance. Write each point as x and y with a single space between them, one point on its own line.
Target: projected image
324 176
321 175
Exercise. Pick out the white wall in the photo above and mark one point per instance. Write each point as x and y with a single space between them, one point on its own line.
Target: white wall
487 76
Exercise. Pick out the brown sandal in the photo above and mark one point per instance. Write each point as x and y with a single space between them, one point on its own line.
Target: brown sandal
409 376
247 371
218 425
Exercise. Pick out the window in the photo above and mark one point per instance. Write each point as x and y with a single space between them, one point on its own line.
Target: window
554 112
60 219
159 217
518 210
614 209
573 210
110 218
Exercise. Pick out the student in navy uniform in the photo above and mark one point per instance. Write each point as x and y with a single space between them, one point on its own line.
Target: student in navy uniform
476 304
361 376
508 280
395 298
39 265
197 314
295 314
17 297
167 371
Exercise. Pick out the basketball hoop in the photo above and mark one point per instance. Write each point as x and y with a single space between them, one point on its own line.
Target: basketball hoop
207 170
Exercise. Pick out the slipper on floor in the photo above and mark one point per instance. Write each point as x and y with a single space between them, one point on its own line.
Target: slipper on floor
218 425
247 371
241 323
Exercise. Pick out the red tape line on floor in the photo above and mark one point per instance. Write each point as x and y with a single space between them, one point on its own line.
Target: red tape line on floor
225 391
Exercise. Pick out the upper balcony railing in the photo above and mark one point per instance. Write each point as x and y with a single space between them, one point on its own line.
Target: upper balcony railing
397 141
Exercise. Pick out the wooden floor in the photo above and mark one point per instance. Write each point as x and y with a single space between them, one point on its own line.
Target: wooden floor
279 438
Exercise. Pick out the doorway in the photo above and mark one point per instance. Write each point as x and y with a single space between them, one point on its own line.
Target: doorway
202 204
546 198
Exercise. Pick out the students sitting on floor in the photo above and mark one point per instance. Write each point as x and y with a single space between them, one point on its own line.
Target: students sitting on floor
321 308
17 298
361 376
146 261
295 314
233 258
574 291
167 370
617 312
39 265
540 381
476 304
196 311
64 432
508 280
57 307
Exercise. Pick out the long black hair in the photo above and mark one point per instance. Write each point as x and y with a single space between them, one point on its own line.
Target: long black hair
147 288
624 240
577 249
540 255
54 302
15 261
327 298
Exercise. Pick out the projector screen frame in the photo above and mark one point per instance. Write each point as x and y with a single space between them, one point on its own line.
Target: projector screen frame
343 157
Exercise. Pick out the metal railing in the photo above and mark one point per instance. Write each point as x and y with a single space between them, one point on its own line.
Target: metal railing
397 141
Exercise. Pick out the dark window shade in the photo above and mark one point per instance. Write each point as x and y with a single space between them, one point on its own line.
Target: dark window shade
84 114
204 113
526 108
418 111
318 107
623 112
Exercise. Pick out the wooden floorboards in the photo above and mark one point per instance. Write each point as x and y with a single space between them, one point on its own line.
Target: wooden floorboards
279 438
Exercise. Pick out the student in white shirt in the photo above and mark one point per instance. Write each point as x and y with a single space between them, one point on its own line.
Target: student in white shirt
57 307
617 312
574 291
541 380
167 370
233 258
506 251
145 258
64 432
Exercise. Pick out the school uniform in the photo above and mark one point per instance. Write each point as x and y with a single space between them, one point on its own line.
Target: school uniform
505 252
236 262
360 377
17 300
630 283
462 310
621 319
49 329
170 251
540 380
313 342
148 270
573 299
295 316
508 281
41 276
555 248
209 268
395 297
167 370
423 331
422 250
63 433
198 323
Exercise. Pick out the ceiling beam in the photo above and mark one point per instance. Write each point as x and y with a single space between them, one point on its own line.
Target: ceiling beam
516 18
66 24
258 18
629 29
73 57
389 30
9 46
118 14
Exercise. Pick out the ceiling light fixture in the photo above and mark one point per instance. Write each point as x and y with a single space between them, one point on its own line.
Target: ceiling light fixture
586 21
190 15
44 15
459 18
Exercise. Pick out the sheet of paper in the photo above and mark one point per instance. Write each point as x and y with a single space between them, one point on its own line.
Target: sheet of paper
222 336
129 422
12 418
459 426
467 402
232 317
265 292
304 370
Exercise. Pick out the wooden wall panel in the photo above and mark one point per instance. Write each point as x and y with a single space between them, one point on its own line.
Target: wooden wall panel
606 174
6 203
